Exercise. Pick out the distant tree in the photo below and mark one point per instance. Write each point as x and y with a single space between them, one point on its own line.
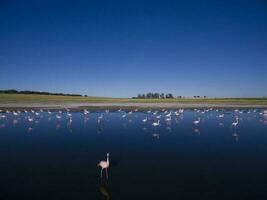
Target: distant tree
149 95
162 96
169 96
156 95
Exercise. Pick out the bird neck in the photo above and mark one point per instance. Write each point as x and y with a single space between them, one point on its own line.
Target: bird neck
108 160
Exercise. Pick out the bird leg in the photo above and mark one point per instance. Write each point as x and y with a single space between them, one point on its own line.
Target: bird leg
107 172
101 172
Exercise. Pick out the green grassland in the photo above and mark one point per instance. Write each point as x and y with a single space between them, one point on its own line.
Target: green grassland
35 98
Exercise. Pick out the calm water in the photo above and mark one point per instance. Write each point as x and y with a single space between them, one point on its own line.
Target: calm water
51 158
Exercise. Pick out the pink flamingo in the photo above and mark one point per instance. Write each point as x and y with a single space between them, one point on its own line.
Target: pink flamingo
104 165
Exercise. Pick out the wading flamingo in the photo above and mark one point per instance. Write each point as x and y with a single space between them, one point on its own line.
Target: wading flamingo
196 122
156 123
145 120
235 123
104 165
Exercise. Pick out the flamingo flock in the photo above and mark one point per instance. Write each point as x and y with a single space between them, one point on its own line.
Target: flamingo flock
153 118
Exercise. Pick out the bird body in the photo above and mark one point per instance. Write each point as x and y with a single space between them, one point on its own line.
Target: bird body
221 116
196 122
156 123
235 123
168 119
145 120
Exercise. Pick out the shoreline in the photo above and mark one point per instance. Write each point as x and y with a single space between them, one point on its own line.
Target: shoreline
115 105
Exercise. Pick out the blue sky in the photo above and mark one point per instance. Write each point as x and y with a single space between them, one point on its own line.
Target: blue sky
122 48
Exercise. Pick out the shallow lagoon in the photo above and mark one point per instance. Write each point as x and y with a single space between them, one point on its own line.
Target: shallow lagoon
52 158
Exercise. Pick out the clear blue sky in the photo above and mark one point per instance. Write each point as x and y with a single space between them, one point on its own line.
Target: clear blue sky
122 48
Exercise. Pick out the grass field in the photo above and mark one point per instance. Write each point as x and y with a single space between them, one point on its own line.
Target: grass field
33 98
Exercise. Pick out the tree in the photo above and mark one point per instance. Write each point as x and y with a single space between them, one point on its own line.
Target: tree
149 95
162 96
169 96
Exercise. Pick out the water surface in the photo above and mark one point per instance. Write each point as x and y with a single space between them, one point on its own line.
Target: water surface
53 157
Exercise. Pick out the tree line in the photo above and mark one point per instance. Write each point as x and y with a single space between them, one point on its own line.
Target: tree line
151 95
35 92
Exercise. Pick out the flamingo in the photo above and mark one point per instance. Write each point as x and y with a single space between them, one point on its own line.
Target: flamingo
58 116
30 119
85 112
70 120
235 123
145 120
104 165
158 117
196 122
168 115
2 116
156 123
168 119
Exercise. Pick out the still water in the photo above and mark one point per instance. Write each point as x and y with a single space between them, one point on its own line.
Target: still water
54 155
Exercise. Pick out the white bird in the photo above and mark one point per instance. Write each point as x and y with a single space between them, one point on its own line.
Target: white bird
155 123
158 117
196 122
69 114
58 116
49 112
145 120
104 165
221 116
85 112
124 115
168 119
169 114
2 116
70 120
235 123
15 113
30 119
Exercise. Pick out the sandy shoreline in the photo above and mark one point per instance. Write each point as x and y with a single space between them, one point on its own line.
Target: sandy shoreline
122 105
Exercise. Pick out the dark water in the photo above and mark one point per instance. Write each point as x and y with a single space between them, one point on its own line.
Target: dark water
52 158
